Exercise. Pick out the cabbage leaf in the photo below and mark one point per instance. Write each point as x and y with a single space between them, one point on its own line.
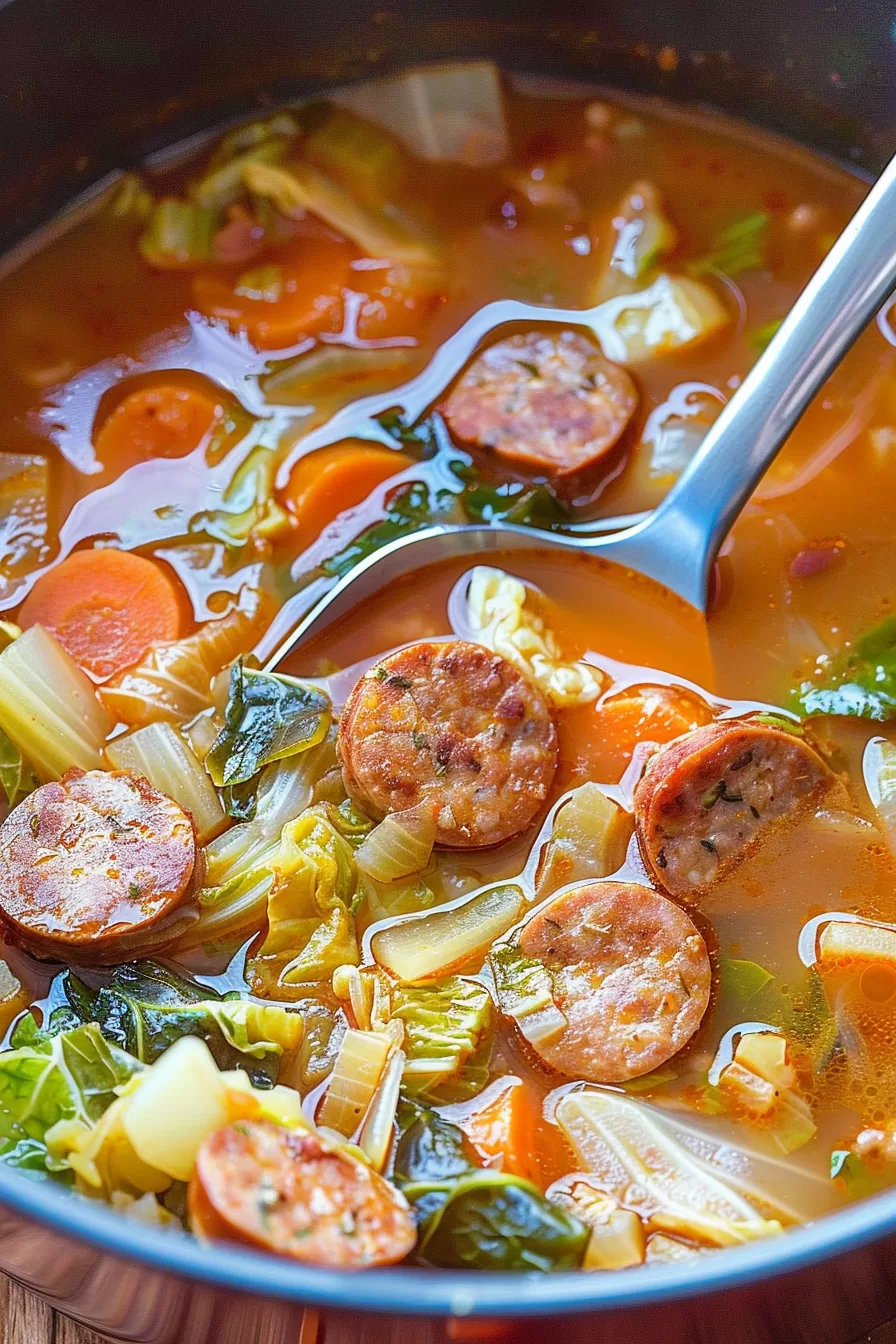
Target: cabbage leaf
269 717
449 1028
861 682
311 929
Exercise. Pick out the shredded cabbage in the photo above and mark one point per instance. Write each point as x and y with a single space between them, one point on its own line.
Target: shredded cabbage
501 615
448 1038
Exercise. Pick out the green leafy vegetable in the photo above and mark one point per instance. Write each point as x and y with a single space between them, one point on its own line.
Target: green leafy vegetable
45 1079
472 1218
360 154
146 1007
860 682
779 721
448 1037
857 1178
739 247
268 718
409 508
16 779
743 979
512 502
310 926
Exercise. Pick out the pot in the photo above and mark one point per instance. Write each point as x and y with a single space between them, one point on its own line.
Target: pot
89 86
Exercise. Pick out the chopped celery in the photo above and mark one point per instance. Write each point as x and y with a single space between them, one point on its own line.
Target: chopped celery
300 187
526 993
48 707
359 1064
448 1036
179 235
436 943
330 375
248 509
165 758
378 1130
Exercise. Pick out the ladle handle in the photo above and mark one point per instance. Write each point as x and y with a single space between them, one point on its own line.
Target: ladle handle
680 541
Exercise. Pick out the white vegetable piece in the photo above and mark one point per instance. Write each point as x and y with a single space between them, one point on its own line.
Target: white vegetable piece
453 111
422 948
162 754
181 1101
673 312
879 769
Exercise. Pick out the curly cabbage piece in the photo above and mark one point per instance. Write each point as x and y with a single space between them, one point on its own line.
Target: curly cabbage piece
311 929
503 618
449 1029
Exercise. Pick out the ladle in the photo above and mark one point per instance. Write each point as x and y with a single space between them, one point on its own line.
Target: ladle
677 542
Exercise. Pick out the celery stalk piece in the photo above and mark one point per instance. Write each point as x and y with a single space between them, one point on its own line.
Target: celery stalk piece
300 187
178 235
165 758
49 708
353 1082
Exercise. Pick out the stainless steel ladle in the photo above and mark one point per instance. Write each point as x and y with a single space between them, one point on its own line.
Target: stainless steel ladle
677 543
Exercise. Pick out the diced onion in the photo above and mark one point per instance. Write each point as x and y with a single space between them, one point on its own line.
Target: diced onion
163 756
675 311
400 845
353 1082
49 708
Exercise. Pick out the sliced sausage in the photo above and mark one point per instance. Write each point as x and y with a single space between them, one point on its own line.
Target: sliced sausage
454 725
629 972
90 864
550 403
708 799
264 1185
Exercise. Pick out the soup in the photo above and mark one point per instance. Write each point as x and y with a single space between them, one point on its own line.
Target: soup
520 920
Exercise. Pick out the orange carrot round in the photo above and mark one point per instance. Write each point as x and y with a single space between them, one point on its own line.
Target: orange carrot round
157 420
326 483
106 607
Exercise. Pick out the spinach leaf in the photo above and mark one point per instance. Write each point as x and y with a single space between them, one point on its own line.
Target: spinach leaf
409 508
743 979
16 778
146 1007
739 247
269 717
512 502
472 1218
861 682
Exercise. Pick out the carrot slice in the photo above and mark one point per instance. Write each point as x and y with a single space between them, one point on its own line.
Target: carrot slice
106 607
503 1132
277 303
159 420
602 741
326 483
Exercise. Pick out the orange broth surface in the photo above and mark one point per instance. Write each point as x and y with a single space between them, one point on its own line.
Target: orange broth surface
86 323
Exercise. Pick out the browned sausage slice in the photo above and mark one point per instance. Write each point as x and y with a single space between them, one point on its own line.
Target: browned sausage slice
710 797
264 1185
454 725
91 863
628 971
550 403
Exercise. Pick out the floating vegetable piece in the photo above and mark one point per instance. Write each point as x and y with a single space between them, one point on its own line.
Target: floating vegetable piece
470 1218
503 1129
310 928
448 1038
44 1080
399 845
431 945
16 779
328 376
642 234
14 998
161 753
269 717
743 980
223 184
179 236
369 163
857 1177
172 683
674 312
741 246
503 616
879 771
299 187
49 709
526 993
617 1238
637 1162
589 839
409 508
248 508
760 1083
132 199
182 1099
860 682
359 1064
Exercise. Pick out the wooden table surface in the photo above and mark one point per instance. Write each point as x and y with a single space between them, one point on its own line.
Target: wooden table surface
26 1320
